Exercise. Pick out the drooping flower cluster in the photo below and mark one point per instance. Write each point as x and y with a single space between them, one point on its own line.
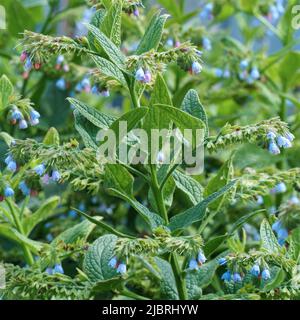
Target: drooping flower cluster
276 9
248 73
118 264
196 262
207 12
256 272
46 174
57 269
279 141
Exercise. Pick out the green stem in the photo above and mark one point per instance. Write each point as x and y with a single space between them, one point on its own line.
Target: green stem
134 97
179 278
167 176
133 295
27 252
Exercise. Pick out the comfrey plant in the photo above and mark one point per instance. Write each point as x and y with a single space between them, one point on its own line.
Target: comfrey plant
175 228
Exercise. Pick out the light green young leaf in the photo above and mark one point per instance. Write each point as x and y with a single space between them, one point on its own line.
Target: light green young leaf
86 129
268 239
192 105
99 119
45 211
111 50
95 264
6 90
96 21
109 69
152 36
189 186
51 137
167 280
111 24
197 212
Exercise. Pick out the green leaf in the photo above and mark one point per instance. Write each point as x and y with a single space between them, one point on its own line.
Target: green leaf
95 264
276 281
152 219
51 137
288 68
6 90
96 21
45 211
189 186
111 24
109 69
224 175
102 286
167 282
160 92
197 212
86 129
192 105
117 177
131 118
111 50
201 278
244 219
99 119
268 239
8 139
153 34
213 244
172 7
79 231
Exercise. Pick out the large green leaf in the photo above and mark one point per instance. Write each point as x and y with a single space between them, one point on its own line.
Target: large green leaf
52 137
268 239
45 211
109 69
192 105
197 212
6 90
112 51
152 36
168 287
160 92
189 186
95 264
111 24
99 119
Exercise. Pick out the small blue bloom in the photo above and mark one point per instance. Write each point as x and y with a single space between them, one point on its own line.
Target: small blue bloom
274 12
226 276
16 114
196 67
218 72
40 169
49 237
72 214
222 261
95 90
61 84
201 257
140 75
226 74
23 124
273 148
8 192
193 264
55 176
105 93
24 188
34 122
58 269
282 233
170 42
122 268
255 270
279 188
271 135
244 64
237 277
206 13
289 136
28 65
34 115
148 76
283 142
259 200
255 73
206 44
8 159
294 200
60 59
12 166
113 262
266 274
276 226
49 271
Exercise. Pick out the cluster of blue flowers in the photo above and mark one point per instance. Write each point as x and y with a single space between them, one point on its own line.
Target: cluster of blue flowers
28 65
196 263
16 116
53 175
279 188
277 142
281 231
207 12
248 73
58 269
220 73
24 188
256 272
143 76
275 11
120 266
61 65
11 163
